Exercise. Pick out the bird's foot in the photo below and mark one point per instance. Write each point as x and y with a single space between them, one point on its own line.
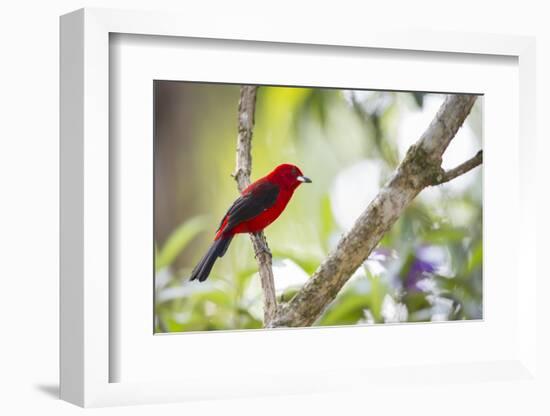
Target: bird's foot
263 250
262 247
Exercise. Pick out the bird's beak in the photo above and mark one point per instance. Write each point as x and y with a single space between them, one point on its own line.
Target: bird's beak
304 179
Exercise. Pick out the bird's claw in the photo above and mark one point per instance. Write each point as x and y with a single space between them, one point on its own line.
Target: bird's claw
263 248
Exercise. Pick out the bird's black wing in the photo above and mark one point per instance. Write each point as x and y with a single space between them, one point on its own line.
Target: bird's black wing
258 199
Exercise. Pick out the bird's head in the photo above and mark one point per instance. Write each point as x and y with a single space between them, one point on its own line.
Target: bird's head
288 176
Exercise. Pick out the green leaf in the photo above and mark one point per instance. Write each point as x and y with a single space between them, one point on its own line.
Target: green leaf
415 301
446 235
327 220
307 262
476 258
419 98
220 298
178 240
346 311
377 292
314 106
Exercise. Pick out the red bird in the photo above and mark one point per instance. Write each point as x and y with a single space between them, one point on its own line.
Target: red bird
259 205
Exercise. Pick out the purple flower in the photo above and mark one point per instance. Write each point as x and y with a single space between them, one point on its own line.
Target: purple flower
426 261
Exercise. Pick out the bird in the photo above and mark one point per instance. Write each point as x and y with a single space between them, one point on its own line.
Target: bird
259 204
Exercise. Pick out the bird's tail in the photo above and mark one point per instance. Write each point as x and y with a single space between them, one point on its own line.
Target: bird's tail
217 249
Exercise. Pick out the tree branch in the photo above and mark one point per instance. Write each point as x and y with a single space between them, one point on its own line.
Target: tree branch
420 168
446 123
247 107
460 169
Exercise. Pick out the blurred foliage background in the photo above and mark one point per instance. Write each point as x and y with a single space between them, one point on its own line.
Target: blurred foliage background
427 268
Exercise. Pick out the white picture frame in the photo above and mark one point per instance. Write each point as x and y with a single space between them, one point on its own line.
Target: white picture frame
86 305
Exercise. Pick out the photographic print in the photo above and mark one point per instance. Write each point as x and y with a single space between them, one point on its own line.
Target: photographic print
283 206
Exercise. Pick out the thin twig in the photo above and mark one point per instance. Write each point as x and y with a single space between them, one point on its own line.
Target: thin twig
247 107
460 169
